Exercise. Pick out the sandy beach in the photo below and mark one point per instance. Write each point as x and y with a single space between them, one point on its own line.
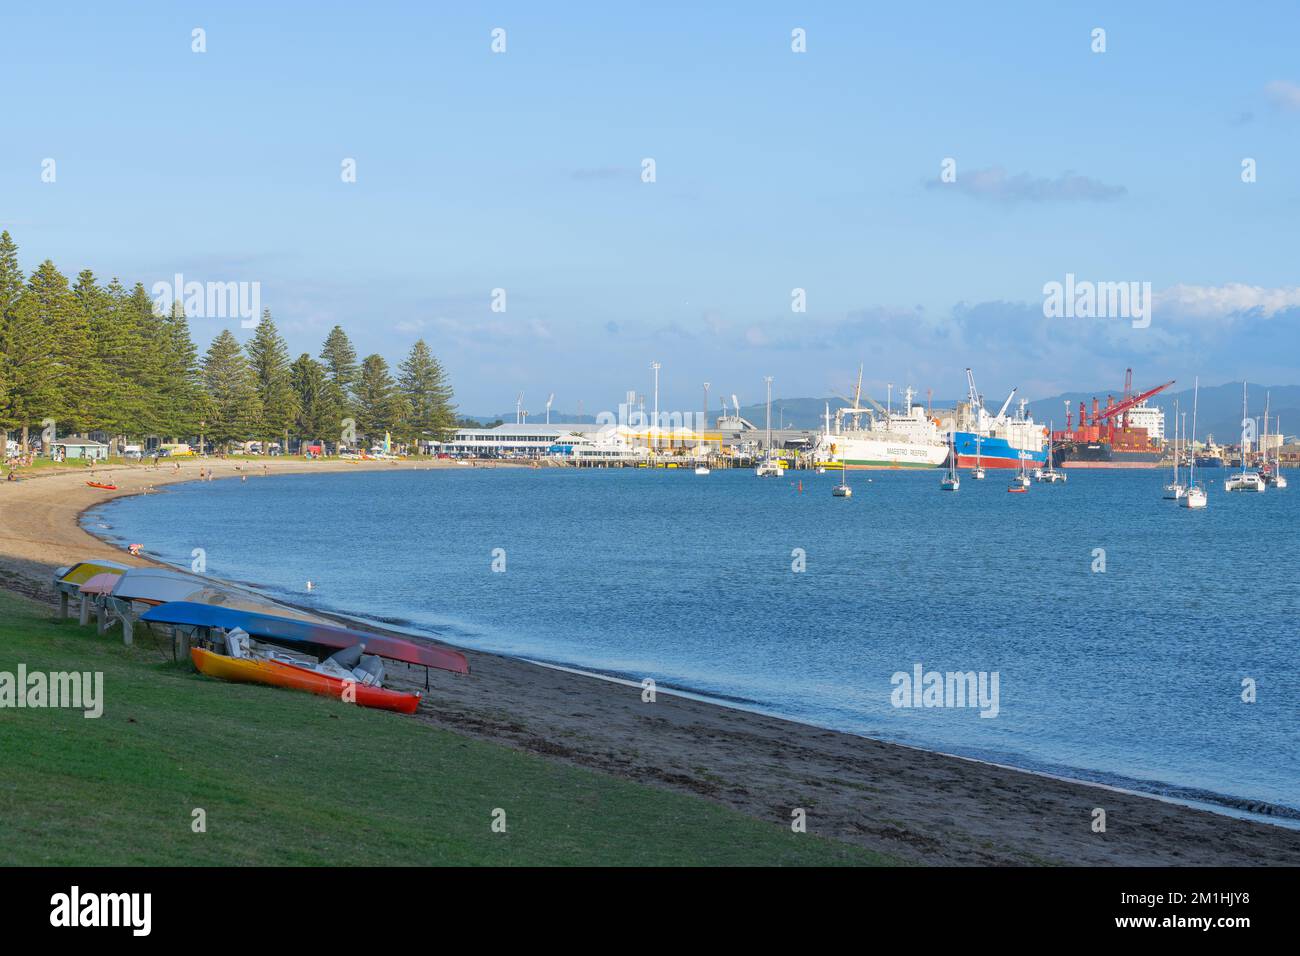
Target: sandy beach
923 807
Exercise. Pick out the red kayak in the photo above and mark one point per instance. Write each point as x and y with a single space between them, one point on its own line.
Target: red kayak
103 485
276 674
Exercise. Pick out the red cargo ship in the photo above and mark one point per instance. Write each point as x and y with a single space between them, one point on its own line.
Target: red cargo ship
1108 439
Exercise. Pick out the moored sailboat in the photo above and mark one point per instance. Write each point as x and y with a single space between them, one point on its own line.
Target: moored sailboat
1020 483
1049 474
1247 480
978 471
950 481
1175 489
1195 496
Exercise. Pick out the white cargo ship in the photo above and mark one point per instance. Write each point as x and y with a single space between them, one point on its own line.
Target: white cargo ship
887 439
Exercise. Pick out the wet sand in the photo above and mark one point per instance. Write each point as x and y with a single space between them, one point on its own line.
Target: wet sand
916 805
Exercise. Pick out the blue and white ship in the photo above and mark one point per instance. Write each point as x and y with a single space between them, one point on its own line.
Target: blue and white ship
1001 440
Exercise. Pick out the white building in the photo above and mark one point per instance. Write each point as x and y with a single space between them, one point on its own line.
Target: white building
512 440
1150 417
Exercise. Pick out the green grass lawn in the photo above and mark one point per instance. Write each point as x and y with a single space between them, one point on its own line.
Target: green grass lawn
287 778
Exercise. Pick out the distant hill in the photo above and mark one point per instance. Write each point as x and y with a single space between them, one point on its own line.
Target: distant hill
557 416
1219 414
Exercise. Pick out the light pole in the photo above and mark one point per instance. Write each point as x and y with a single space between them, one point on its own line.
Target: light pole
768 381
654 425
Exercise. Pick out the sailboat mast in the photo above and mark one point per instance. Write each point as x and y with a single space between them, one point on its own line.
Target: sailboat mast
1191 470
1243 425
1175 441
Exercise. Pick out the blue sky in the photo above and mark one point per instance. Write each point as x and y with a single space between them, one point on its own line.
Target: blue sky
775 170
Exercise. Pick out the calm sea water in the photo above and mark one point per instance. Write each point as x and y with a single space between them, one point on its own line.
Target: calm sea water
1130 676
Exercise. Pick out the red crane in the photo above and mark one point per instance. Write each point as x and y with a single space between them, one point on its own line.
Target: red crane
1090 427
1119 410
1110 411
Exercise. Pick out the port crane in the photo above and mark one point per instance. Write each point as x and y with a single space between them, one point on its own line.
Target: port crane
977 402
855 409
1091 429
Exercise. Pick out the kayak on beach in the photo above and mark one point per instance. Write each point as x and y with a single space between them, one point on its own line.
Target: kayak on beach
280 674
320 639
103 485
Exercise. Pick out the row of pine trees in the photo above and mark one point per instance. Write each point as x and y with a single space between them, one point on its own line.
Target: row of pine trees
100 358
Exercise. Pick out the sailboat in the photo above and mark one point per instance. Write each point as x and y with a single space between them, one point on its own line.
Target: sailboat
1020 483
1279 479
950 481
770 466
1194 496
842 490
978 471
1049 474
1175 490
1247 480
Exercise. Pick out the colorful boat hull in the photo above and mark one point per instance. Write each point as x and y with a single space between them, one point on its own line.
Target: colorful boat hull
100 584
277 674
321 639
995 452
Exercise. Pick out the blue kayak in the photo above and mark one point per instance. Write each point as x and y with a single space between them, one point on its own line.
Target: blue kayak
321 639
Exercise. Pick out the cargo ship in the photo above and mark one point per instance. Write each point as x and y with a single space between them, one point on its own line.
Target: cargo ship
1004 441
1128 433
886 439
1068 453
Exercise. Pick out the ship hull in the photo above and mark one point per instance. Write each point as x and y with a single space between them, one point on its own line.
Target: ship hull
860 453
994 452
1100 454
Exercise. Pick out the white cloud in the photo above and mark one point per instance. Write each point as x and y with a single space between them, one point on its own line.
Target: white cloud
1219 301
997 185
1284 94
